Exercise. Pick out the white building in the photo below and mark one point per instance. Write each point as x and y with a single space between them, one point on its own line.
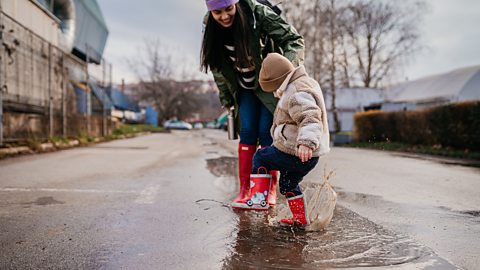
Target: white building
455 86
350 101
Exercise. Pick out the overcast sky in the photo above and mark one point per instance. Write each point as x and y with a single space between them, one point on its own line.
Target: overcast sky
451 33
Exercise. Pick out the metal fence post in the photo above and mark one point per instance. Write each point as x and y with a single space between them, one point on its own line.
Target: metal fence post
1 111
1 74
104 94
64 97
87 91
110 85
104 116
50 98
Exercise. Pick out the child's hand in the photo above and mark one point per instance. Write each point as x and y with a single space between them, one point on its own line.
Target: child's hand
304 153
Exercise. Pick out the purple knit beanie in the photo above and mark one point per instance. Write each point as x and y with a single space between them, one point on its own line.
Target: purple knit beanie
219 4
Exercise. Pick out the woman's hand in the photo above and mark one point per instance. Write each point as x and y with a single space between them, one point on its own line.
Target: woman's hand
227 107
304 153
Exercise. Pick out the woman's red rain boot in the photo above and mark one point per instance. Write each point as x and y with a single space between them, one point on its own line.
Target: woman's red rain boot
272 196
298 207
245 156
259 193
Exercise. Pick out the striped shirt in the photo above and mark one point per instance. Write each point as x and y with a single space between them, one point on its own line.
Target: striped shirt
246 76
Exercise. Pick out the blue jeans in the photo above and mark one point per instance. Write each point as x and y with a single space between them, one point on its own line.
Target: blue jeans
255 119
292 169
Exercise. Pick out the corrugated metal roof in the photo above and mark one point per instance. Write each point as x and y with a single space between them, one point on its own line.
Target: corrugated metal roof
94 8
102 95
447 86
122 101
90 30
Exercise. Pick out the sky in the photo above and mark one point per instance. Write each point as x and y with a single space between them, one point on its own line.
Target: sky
450 34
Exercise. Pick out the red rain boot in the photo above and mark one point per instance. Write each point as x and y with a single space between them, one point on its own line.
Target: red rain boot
258 199
298 207
272 195
245 156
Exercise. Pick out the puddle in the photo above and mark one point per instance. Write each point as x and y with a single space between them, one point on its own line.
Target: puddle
472 213
45 201
223 166
349 241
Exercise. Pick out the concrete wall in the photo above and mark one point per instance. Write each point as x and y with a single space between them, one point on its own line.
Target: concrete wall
33 17
36 96
33 69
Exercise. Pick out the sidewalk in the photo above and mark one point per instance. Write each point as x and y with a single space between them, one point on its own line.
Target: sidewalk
439 159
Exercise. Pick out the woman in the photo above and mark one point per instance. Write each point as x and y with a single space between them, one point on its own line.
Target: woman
238 35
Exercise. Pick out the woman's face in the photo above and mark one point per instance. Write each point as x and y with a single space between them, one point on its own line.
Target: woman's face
225 16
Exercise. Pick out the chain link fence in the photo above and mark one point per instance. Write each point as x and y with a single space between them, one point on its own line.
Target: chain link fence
41 89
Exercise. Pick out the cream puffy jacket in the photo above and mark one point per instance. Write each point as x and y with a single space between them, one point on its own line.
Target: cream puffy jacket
300 116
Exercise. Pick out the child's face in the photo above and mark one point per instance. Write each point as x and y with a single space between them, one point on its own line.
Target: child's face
225 16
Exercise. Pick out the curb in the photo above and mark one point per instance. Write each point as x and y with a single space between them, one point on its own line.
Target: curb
7 152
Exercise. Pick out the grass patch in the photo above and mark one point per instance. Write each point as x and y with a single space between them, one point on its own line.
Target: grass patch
34 142
128 129
56 140
418 149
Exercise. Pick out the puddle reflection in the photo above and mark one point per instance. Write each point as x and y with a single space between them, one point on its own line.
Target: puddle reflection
349 241
223 166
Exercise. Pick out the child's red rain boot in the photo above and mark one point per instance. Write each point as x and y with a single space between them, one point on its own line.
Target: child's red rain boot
298 207
258 199
272 195
245 156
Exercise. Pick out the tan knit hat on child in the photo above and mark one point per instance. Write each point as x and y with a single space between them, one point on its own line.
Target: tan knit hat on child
275 69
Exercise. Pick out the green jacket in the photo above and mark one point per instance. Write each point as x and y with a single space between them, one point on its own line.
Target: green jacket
277 35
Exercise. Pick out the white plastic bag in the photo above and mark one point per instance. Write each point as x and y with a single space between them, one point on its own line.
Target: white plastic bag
320 205
321 201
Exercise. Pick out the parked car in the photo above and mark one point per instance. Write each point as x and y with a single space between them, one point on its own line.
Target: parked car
222 121
211 125
177 124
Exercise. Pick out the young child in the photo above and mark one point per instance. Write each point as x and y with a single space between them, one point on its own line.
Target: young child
300 133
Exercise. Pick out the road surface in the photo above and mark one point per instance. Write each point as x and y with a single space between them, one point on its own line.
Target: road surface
161 202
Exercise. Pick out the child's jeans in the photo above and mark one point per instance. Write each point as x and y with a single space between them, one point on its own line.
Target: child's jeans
292 169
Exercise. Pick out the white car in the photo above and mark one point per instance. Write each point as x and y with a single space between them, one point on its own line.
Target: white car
198 126
176 124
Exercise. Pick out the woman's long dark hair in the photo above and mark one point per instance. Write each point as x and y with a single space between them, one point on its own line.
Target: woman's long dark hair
214 38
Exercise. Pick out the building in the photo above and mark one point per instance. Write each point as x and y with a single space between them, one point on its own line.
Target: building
47 44
350 101
454 86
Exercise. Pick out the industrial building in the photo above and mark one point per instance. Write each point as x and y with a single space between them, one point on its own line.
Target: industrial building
48 85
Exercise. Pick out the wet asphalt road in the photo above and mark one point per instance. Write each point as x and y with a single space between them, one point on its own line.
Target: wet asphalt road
159 202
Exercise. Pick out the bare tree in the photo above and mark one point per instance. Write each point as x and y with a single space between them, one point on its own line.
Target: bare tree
355 42
381 34
157 86
325 52
333 36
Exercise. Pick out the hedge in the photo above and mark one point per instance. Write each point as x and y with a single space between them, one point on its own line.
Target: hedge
455 125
